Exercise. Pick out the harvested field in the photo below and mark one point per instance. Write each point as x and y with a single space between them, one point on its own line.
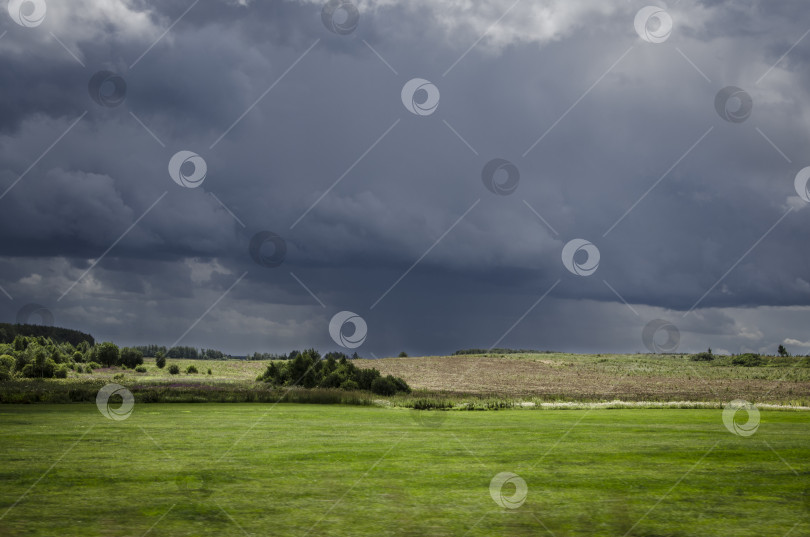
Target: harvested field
594 377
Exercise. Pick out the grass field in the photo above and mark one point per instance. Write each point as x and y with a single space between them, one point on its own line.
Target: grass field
258 469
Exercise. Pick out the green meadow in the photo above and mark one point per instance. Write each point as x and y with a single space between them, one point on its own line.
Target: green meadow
297 470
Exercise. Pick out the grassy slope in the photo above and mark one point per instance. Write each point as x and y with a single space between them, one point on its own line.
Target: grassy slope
375 471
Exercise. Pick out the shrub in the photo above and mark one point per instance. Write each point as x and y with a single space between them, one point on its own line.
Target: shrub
702 357
61 372
140 369
747 360
191 370
7 362
383 386
78 357
400 384
349 385
160 361
130 357
91 366
403 354
209 371
79 368
174 369
5 373
332 380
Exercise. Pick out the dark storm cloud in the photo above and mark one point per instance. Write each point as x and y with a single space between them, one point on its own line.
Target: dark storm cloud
398 201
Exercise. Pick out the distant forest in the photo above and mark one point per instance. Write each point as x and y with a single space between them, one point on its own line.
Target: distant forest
56 334
192 353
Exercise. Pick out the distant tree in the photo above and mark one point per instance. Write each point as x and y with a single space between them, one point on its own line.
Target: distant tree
174 369
106 354
403 354
782 351
42 366
160 360
130 357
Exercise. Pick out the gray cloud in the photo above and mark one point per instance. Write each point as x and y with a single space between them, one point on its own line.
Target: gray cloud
371 213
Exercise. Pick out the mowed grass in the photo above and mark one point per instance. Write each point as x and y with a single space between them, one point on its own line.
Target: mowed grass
257 469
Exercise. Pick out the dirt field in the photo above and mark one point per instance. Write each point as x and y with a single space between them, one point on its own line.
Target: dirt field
599 377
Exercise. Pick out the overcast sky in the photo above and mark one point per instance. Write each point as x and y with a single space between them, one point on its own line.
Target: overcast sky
382 194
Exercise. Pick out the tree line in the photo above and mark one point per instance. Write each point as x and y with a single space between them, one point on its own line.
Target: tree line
43 357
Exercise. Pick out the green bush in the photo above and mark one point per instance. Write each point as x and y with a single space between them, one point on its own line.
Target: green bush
7 361
5 373
349 385
91 366
209 371
191 370
79 368
747 360
160 360
140 369
702 357
332 380
78 357
61 372
383 386
399 383
403 354
174 369
40 367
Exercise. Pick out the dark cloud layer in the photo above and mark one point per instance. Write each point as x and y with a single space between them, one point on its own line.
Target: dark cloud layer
292 119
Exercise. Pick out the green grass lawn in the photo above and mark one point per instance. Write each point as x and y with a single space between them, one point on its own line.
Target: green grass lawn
256 469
